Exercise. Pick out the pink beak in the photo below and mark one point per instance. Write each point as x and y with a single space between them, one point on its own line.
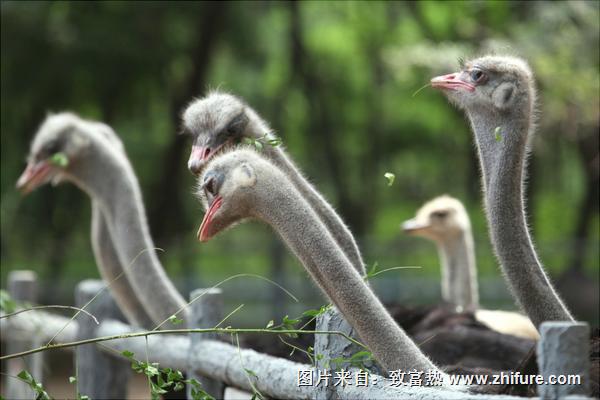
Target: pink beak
34 175
198 158
451 82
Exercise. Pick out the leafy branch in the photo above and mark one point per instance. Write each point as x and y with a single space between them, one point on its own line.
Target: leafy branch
178 331
265 139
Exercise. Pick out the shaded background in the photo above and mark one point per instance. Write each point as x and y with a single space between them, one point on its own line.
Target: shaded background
336 82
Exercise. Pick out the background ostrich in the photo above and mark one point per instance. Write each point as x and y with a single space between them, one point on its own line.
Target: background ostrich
67 147
498 95
241 184
220 120
445 221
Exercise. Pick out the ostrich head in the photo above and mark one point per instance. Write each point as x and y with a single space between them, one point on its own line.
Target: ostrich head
228 188
218 121
439 220
490 84
61 143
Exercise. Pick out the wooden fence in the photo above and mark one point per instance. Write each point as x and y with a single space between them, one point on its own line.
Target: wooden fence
104 373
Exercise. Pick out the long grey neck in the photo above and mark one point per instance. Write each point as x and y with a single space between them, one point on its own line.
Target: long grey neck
309 240
332 221
109 179
112 272
503 165
459 273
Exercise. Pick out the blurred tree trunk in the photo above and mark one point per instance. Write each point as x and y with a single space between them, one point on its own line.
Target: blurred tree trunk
167 216
587 146
321 129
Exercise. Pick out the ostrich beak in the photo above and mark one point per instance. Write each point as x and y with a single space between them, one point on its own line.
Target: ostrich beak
203 232
413 226
451 82
35 174
198 158
202 154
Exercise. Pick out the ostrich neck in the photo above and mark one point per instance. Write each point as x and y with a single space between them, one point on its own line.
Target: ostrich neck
459 273
109 179
332 221
303 232
503 167
112 272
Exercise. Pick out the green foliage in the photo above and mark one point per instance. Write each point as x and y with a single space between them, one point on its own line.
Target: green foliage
37 387
360 359
498 134
7 304
59 159
79 396
390 178
162 380
338 80
175 320
265 139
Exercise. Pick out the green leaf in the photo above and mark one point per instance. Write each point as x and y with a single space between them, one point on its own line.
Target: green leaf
25 376
7 304
498 134
72 379
127 354
174 320
178 386
250 372
82 397
289 321
59 159
274 141
390 178
270 324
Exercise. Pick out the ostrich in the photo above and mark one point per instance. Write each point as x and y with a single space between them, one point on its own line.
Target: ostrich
498 96
241 184
222 120
86 153
445 221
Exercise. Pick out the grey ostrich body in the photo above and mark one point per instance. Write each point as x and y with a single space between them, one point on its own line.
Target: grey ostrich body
498 96
100 169
241 184
221 120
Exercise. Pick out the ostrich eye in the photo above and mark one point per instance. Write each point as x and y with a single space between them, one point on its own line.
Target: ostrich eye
439 214
237 124
209 186
49 149
233 129
478 76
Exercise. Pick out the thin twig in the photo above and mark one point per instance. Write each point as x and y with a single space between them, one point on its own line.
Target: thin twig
219 284
229 315
178 331
100 292
52 306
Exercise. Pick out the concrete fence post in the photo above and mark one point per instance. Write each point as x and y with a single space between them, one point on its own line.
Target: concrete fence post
330 347
100 375
563 353
22 287
205 312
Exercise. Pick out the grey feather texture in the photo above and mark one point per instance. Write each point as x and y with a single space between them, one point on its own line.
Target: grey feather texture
498 95
221 120
247 185
98 165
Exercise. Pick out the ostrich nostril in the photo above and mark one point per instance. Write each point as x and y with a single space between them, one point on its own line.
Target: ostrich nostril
205 153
